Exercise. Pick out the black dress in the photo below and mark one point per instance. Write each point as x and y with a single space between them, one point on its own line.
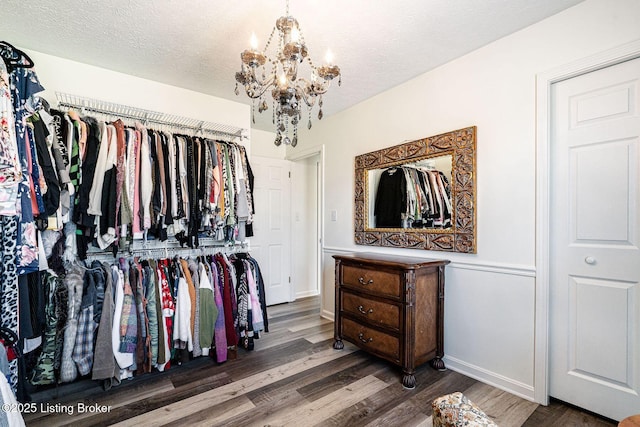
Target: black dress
391 199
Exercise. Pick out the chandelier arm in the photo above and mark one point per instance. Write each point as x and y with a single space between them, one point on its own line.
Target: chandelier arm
308 98
266 82
319 87
257 89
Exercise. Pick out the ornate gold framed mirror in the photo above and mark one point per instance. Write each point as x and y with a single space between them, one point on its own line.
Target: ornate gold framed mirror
419 195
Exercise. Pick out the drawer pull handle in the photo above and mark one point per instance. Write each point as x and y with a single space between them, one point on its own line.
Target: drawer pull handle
363 339
362 281
363 311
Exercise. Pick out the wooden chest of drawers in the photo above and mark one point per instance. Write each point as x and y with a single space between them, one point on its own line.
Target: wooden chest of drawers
392 307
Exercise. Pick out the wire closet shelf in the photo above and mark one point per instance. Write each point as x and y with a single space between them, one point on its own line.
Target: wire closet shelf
169 249
184 124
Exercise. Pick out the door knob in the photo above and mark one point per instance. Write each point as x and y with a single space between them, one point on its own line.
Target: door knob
590 260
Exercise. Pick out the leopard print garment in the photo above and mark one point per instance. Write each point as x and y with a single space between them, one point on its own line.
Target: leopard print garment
9 284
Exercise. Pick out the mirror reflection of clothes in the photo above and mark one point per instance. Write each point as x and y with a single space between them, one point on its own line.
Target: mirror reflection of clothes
411 197
391 199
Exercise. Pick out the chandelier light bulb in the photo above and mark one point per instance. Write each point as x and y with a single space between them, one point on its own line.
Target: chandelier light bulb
254 41
295 35
328 57
282 80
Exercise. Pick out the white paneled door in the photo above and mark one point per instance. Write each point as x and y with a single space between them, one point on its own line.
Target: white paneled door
594 354
271 243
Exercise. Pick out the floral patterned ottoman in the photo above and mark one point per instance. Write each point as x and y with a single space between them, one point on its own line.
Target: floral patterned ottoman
455 410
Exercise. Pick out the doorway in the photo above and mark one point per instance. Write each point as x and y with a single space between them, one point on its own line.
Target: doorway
306 221
588 286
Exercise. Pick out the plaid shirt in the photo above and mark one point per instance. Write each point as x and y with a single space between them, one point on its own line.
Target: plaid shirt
83 349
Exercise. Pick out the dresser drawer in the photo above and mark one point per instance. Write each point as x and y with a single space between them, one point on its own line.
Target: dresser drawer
370 310
372 280
372 340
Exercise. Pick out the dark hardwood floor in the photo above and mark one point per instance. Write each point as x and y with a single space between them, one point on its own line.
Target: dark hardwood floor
293 377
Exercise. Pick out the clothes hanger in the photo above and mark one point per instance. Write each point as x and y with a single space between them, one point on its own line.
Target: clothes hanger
391 170
45 105
73 114
14 57
10 340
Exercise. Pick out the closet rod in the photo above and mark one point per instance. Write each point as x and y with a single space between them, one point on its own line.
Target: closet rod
66 100
170 249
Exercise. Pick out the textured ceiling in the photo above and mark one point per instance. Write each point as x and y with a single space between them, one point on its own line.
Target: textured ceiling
196 44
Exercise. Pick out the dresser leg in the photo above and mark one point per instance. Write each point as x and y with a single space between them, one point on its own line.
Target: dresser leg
408 381
438 363
338 344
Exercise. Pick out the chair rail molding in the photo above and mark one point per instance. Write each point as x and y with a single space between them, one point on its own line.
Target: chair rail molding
490 267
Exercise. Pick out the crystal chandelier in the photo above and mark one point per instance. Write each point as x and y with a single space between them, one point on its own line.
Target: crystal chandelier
289 92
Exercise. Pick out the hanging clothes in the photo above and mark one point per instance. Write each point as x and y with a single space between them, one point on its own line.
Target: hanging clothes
71 184
73 279
129 317
182 332
104 364
83 347
413 197
43 373
123 358
24 89
391 199
151 313
220 330
229 302
195 282
10 167
208 310
126 319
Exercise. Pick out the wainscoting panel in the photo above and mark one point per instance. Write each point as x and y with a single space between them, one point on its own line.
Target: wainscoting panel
489 320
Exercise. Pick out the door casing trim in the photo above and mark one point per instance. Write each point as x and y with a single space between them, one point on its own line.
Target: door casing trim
544 81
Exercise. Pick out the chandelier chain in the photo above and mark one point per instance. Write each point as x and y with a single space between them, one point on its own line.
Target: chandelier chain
269 39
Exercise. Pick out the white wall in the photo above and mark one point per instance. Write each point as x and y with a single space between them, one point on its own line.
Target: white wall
262 144
489 302
62 75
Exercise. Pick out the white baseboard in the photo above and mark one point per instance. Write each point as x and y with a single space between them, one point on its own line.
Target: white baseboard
329 315
496 380
306 294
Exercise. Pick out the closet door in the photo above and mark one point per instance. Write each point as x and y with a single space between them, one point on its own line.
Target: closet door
271 243
595 239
